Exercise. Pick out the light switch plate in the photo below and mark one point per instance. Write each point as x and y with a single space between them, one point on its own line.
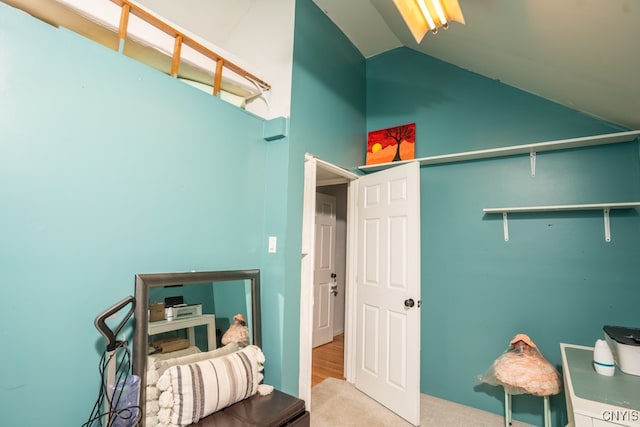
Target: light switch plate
272 244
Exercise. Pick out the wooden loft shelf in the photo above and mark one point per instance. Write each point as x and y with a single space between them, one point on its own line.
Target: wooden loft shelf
604 207
181 39
531 149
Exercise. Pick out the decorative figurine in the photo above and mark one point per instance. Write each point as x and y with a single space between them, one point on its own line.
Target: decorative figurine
237 333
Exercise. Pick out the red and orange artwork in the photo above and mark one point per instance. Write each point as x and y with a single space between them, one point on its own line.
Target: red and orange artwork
392 144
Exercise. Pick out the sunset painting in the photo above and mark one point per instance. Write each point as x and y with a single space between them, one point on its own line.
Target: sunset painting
392 144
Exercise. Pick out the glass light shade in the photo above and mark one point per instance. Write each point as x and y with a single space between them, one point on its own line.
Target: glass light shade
422 16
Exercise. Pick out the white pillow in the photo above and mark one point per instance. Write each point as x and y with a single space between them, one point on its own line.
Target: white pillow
194 391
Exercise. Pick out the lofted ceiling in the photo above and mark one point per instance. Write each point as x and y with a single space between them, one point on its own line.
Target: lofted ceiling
584 54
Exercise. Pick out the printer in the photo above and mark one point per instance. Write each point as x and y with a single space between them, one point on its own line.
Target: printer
180 309
625 346
185 310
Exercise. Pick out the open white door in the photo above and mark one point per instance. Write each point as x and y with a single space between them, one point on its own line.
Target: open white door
387 363
324 277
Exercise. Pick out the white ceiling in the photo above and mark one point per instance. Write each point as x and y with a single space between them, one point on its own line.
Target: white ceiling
584 54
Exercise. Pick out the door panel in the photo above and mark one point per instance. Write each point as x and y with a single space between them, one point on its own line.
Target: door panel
370 343
388 273
397 366
371 251
324 273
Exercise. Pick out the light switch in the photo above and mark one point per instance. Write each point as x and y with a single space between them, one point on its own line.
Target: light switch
272 244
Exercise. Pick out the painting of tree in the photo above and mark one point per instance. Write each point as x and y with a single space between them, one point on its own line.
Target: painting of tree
391 144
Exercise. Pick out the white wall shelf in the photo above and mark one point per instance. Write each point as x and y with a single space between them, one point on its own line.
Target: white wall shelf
531 149
605 207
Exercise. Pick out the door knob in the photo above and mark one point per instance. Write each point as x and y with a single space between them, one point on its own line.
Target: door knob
409 303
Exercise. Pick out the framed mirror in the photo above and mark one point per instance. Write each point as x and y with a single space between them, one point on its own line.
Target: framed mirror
193 308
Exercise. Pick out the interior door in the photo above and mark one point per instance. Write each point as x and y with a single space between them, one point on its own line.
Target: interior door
387 366
324 278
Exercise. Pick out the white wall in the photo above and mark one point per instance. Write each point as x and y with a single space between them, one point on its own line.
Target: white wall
257 33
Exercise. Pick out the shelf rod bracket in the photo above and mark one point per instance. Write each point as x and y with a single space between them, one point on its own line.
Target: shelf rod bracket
607 225
505 226
532 159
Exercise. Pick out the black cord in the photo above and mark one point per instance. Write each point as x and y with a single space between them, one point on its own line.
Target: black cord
113 398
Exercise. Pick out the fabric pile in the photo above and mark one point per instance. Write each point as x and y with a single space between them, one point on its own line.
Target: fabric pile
522 369
151 405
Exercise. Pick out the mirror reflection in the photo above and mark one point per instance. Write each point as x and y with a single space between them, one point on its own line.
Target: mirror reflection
194 317
180 315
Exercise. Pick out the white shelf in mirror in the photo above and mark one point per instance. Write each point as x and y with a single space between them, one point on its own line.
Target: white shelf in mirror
531 149
189 323
605 207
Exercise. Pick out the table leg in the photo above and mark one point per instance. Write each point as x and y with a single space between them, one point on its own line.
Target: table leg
507 408
191 333
547 412
211 337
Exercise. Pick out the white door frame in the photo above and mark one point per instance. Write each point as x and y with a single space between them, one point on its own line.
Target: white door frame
331 174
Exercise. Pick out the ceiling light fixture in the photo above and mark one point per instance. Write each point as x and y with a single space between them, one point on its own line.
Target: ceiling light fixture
423 16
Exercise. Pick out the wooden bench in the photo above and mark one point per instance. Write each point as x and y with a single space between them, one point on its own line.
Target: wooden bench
273 410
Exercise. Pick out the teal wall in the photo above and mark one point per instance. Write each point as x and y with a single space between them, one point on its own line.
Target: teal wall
556 280
327 120
328 92
107 169
230 299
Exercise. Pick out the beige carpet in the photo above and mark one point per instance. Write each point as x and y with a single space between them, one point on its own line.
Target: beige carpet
338 403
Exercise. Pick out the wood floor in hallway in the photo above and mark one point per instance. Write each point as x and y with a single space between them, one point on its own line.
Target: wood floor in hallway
328 360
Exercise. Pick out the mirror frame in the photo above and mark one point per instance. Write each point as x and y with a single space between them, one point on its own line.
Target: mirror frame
146 281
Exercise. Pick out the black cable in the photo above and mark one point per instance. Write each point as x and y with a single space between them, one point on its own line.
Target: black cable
123 367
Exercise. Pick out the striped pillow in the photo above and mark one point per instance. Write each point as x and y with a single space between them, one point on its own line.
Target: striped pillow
164 364
191 392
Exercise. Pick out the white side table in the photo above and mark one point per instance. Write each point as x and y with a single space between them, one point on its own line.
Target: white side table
189 323
594 400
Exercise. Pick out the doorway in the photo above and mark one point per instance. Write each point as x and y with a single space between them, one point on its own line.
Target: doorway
382 327
320 177
330 262
329 282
